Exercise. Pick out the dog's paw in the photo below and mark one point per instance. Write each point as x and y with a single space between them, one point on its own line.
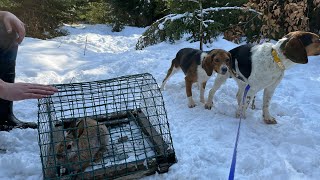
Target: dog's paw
270 120
191 102
240 114
191 105
208 105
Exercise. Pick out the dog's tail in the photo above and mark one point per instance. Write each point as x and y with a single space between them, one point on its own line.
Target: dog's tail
172 70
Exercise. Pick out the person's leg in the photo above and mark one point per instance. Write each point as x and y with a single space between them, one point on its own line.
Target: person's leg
8 54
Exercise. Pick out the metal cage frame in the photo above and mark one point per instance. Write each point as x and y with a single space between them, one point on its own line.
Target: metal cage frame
133 110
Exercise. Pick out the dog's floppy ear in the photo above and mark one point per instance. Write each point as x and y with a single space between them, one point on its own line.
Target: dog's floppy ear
295 51
208 64
230 60
229 54
212 53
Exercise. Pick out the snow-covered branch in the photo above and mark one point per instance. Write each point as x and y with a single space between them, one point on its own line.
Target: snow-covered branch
206 22
194 1
155 34
230 8
173 17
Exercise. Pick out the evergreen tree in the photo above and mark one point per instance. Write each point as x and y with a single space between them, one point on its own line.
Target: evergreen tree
42 18
186 17
139 13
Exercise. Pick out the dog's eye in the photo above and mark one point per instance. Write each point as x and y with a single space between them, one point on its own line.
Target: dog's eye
227 60
216 60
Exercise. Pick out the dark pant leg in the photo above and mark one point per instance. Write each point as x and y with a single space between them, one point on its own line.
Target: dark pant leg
8 54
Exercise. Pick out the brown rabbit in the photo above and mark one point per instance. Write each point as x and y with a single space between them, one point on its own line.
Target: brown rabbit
85 142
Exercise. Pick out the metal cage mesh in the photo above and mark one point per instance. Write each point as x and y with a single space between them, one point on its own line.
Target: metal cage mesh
132 109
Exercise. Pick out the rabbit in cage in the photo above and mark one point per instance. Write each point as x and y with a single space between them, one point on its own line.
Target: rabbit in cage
84 142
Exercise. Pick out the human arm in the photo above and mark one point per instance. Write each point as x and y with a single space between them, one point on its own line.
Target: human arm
21 91
12 23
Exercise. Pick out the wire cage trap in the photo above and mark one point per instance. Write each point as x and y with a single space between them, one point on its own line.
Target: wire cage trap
109 129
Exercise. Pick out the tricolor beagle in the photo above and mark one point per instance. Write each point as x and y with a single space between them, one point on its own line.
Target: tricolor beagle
262 67
198 66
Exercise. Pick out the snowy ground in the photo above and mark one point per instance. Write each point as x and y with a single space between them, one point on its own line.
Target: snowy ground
203 139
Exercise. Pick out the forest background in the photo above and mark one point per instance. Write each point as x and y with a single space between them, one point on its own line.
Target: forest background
202 20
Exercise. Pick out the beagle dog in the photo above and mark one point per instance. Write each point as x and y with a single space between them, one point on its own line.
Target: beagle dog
262 67
198 66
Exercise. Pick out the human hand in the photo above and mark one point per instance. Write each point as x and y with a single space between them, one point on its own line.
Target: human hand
21 91
12 23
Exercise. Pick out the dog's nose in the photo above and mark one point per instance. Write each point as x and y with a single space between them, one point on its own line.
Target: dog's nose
224 70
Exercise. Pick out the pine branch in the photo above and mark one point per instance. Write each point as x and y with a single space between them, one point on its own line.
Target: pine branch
173 17
194 1
231 8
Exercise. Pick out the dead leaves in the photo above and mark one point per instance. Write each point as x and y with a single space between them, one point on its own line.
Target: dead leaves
282 16
279 18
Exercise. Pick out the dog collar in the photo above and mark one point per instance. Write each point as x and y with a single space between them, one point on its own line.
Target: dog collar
277 59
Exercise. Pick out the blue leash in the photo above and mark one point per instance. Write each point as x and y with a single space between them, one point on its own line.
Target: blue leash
234 157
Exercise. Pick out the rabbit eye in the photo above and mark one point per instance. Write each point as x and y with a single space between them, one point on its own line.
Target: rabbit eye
69 146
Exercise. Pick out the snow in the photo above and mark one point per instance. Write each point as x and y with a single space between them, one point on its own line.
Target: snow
203 139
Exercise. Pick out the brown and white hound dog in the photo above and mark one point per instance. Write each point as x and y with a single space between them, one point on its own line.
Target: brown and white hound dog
262 67
198 66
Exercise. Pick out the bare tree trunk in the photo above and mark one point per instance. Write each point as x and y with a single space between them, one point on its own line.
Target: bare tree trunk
201 25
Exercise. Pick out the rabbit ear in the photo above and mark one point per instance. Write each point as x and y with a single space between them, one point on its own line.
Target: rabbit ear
80 128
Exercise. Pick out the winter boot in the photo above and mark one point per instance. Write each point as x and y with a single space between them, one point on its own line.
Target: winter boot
8 54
